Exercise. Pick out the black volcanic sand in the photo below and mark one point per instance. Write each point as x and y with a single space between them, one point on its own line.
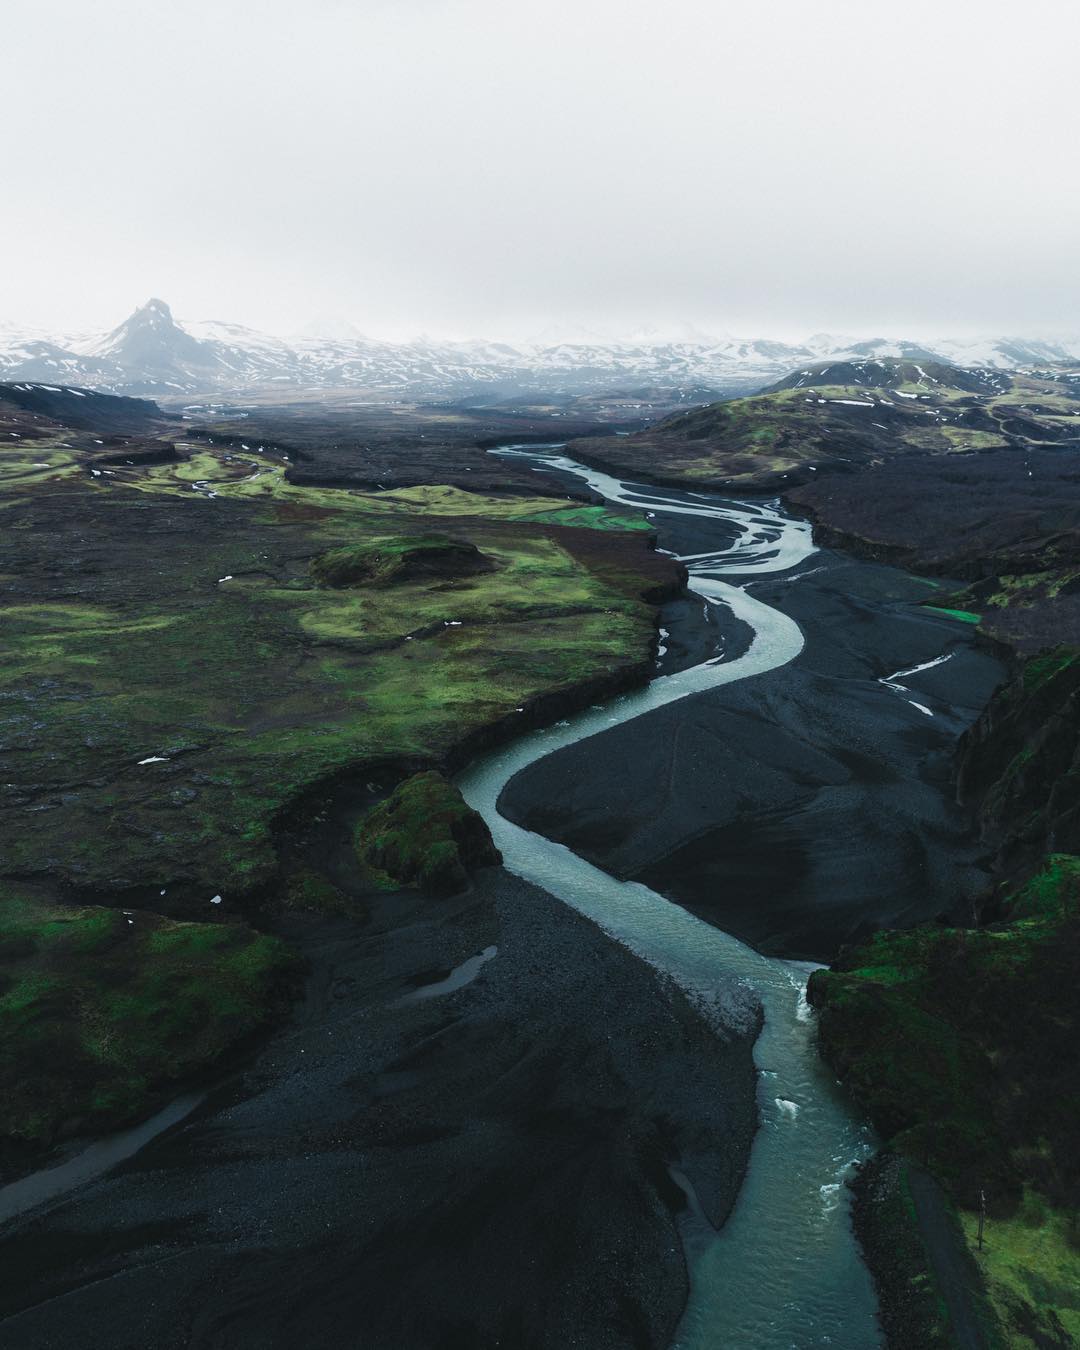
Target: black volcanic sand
694 631
995 512
394 445
485 1168
803 808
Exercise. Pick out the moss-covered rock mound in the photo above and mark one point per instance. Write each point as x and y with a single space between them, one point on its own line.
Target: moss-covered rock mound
399 558
425 835
313 893
100 1008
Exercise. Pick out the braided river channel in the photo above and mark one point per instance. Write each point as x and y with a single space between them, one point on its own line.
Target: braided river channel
785 1270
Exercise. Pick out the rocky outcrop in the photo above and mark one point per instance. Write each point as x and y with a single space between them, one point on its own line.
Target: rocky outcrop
424 834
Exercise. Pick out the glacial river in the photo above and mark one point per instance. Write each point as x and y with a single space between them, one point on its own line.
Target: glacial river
785 1270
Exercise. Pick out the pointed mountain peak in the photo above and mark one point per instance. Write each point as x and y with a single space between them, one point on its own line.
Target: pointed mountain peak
154 308
155 315
151 340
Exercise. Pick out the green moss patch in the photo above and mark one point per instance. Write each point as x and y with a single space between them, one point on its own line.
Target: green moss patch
400 559
593 518
1042 669
100 1008
425 834
1031 1266
315 894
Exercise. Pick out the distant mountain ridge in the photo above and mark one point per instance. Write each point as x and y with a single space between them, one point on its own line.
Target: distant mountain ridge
150 353
895 374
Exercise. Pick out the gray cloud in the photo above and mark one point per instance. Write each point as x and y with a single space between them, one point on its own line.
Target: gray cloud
493 165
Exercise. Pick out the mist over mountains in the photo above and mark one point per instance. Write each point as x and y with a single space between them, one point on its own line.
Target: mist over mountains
152 353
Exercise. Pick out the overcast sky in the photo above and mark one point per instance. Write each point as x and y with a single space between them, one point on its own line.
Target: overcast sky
494 166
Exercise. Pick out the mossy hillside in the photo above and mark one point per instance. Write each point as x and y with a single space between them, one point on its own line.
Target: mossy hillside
943 438
51 456
960 1044
956 1041
793 433
188 631
742 442
438 500
101 1009
31 461
424 834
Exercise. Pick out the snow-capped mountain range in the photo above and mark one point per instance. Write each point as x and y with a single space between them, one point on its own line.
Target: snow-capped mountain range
151 353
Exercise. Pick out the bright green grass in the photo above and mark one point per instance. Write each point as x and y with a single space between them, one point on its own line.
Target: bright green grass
591 517
21 461
963 615
1031 1266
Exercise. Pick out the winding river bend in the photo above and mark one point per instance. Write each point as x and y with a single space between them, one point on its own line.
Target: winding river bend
785 1270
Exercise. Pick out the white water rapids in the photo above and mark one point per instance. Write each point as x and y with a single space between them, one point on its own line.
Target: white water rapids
785 1270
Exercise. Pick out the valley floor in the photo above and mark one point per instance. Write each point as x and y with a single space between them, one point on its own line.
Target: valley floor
426 1170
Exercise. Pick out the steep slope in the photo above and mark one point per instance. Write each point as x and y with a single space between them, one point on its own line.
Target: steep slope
961 1045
